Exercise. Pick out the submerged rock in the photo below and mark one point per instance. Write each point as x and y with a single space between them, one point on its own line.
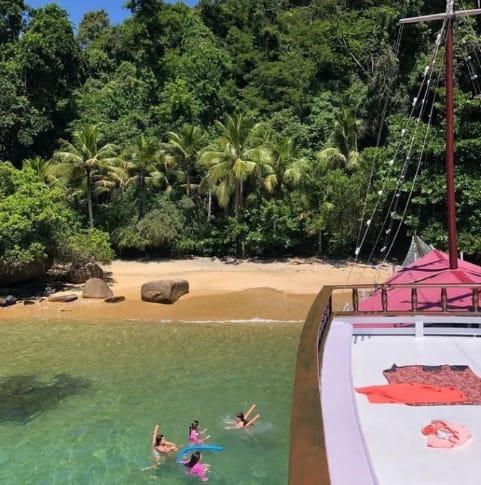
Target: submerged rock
164 291
96 288
62 298
114 299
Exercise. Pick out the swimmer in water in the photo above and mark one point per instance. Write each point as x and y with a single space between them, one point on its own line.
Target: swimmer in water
195 468
160 446
195 436
242 420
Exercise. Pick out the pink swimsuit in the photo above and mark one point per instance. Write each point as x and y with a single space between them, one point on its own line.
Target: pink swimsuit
194 437
199 471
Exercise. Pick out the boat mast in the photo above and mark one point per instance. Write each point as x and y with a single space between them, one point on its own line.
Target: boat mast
450 16
450 181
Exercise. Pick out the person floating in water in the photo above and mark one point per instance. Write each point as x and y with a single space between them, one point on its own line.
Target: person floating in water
242 420
195 468
195 436
160 446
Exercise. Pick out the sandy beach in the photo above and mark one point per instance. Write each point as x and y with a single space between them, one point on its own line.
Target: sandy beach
280 291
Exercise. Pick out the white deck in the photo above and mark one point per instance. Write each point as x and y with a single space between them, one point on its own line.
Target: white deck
397 449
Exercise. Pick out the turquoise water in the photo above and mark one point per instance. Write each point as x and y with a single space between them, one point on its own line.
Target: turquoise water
78 401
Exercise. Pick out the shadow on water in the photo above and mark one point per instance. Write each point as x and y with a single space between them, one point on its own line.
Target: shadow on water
22 398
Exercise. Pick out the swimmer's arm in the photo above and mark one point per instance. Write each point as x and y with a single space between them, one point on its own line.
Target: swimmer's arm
252 421
154 434
249 411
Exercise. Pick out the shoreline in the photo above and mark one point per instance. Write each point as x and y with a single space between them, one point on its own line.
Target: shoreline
219 291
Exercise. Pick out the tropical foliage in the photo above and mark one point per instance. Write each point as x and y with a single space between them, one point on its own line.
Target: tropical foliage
240 127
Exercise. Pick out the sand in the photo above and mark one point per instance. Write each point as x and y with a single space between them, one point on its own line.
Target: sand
280 291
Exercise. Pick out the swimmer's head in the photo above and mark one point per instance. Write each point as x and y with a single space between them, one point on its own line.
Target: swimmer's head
194 459
193 426
240 418
160 439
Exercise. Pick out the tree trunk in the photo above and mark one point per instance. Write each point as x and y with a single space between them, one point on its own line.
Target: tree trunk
319 244
209 206
89 199
237 198
142 196
241 194
188 182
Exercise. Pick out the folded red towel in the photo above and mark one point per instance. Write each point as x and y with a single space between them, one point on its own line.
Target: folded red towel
409 393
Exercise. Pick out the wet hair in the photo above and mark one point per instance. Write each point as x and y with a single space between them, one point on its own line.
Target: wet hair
241 417
194 459
158 439
193 426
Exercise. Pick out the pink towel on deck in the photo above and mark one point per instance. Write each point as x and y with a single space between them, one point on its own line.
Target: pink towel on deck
442 434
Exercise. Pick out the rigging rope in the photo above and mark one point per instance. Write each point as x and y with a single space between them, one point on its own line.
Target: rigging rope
378 139
397 47
392 210
421 155
428 69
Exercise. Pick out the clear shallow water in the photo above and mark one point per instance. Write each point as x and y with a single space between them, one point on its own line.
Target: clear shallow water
78 401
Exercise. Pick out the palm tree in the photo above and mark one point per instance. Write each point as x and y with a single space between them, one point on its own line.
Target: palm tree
287 166
44 169
185 147
144 162
342 150
231 160
85 157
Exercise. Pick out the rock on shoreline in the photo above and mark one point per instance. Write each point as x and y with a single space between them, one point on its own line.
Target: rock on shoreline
96 288
164 291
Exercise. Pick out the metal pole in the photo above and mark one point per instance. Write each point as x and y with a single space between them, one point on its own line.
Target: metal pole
450 183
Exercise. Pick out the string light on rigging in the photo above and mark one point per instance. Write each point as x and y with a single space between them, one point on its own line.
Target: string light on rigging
396 196
421 96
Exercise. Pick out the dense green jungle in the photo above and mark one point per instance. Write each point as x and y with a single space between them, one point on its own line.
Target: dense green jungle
245 128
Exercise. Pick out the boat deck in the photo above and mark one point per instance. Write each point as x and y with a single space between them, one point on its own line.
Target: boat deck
397 449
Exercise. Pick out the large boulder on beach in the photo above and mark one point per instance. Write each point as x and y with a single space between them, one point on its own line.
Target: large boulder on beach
164 291
96 288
